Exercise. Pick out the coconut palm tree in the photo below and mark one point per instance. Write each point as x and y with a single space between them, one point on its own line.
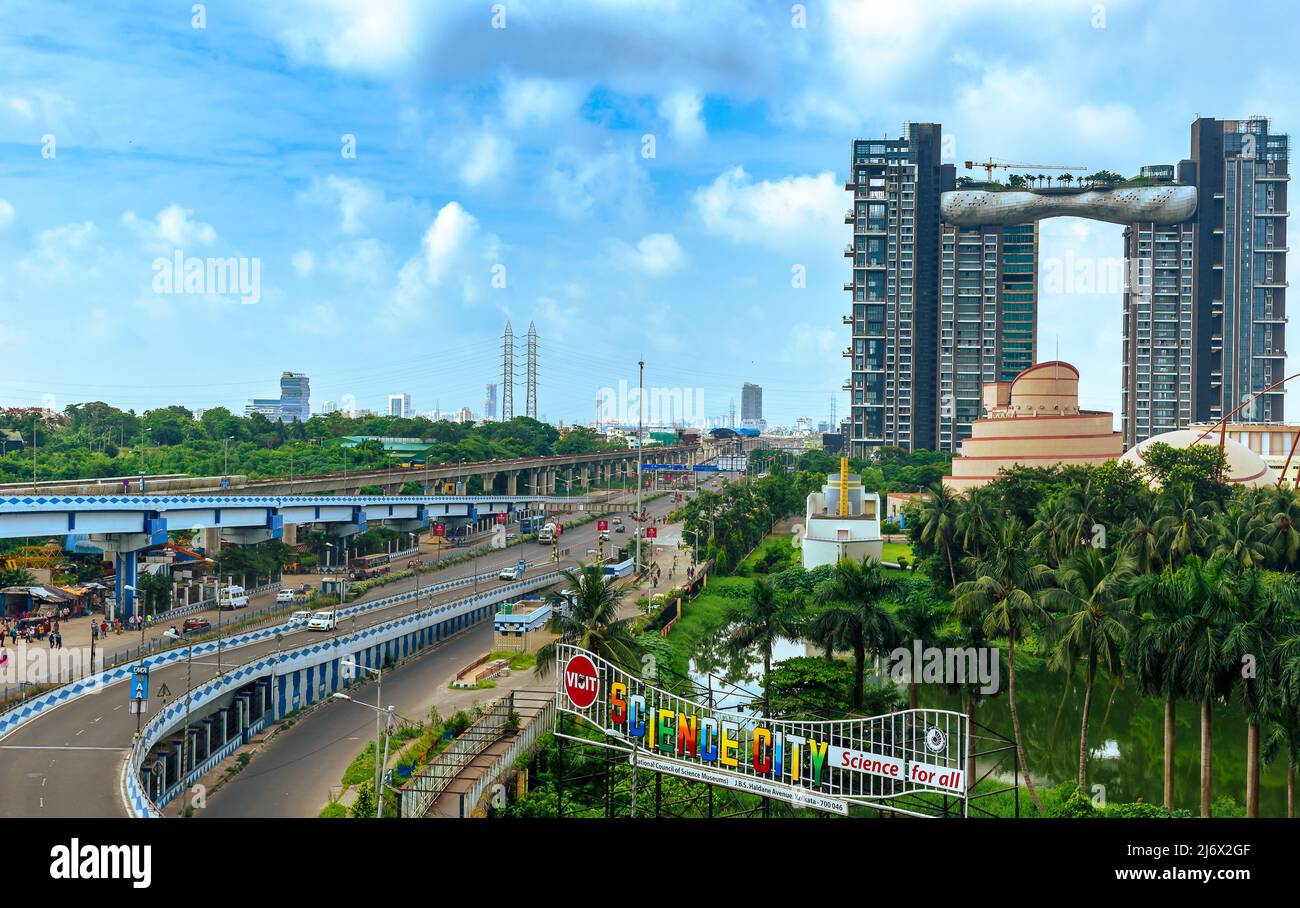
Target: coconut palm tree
976 517
854 616
768 616
1048 530
1281 516
1182 526
592 623
1238 534
1259 604
921 620
1083 508
1282 732
1141 540
938 521
1004 596
1091 597
1207 672
1154 652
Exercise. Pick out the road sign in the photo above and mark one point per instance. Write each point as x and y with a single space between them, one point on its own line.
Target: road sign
581 682
163 692
651 532
602 525
559 529
501 518
138 708
439 529
140 683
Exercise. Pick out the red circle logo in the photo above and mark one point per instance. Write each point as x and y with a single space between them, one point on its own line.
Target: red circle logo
581 682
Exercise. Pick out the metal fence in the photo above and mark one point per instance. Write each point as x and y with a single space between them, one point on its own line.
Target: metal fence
418 795
531 729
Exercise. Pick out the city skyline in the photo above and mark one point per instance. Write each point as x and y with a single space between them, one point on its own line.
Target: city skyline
743 188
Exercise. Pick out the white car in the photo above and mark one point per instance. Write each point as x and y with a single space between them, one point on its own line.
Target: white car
323 621
302 616
284 595
507 574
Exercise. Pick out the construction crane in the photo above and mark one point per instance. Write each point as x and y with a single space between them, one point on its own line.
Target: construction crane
991 164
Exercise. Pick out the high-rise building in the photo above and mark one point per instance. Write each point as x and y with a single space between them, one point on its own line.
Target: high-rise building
400 405
895 216
295 396
1205 297
490 402
751 404
988 318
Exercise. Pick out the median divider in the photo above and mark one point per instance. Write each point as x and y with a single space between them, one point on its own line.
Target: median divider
297 678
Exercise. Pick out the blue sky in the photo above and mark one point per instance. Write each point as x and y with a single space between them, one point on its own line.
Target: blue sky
519 152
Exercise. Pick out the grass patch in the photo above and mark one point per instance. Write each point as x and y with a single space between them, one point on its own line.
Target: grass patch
705 616
893 550
518 661
333 811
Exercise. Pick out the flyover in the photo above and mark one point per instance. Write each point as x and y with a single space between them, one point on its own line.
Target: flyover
126 524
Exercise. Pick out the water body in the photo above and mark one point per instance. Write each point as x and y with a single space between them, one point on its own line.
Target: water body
1125 729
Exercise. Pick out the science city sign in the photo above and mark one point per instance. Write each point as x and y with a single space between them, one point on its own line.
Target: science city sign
826 765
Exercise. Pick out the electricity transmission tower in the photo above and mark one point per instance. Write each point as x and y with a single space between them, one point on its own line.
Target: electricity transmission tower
508 374
530 402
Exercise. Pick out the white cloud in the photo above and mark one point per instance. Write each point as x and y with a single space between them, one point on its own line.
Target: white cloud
59 252
174 227
454 256
484 159
792 212
580 182
6 213
445 240
304 263
528 103
682 111
657 255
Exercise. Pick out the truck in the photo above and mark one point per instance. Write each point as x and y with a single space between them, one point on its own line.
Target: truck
546 534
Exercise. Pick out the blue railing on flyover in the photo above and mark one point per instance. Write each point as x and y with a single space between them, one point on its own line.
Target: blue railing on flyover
138 803
34 707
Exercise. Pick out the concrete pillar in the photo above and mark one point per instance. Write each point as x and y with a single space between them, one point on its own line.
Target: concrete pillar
210 540
585 478
512 482
290 534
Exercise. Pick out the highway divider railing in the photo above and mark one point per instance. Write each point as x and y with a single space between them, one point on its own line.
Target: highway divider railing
321 651
24 712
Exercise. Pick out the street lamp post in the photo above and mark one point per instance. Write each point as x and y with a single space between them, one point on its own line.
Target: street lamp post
379 711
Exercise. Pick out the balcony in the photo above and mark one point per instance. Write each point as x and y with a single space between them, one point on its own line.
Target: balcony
849 216
848 251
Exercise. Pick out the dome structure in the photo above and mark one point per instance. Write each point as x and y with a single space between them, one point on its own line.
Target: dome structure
1244 466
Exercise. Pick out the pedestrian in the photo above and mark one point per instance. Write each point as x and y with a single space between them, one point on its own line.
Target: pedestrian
94 631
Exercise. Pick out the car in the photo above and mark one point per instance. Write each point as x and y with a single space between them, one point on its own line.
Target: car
415 563
284 595
507 574
302 616
324 620
510 537
620 528
196 626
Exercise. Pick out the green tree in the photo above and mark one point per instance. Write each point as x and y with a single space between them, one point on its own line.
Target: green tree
1091 599
938 524
1155 651
592 623
853 616
1003 596
765 618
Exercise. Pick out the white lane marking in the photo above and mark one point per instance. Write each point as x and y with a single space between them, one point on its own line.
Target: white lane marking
56 747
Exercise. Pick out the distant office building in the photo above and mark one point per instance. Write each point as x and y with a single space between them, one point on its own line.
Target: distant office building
329 407
400 405
490 402
295 396
465 415
268 407
751 404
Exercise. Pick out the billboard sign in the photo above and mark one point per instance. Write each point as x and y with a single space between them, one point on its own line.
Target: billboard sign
825 765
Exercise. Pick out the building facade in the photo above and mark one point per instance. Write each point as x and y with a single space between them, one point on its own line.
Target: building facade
295 396
751 404
400 405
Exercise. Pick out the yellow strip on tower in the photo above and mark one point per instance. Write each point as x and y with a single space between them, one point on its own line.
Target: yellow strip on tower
844 487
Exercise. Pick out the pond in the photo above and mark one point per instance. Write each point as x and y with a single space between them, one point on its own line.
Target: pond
1125 729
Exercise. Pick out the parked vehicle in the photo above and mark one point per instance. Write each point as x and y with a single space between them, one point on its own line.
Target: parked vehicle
324 620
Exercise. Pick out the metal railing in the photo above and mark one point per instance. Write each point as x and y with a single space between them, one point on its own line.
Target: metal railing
418 795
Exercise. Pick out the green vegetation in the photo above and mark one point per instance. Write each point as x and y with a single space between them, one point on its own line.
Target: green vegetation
96 440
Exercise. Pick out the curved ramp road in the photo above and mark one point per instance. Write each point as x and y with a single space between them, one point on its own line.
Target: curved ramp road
67 763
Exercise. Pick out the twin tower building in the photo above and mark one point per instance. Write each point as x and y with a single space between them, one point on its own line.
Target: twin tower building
945 283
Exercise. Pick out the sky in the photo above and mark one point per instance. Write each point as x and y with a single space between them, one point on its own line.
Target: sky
654 180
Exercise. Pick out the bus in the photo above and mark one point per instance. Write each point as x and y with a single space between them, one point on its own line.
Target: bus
368 562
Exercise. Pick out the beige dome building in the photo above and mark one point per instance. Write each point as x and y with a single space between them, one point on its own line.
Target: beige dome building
1245 467
1034 421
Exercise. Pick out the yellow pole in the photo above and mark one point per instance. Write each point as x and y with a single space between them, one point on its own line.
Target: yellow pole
844 487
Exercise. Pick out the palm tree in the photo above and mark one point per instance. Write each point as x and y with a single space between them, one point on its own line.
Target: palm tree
1048 530
1155 652
1259 604
1083 507
1181 527
1282 531
938 522
854 615
1003 594
976 517
592 623
1141 540
919 620
1207 672
765 618
1284 710
1238 534
1066 179
1091 595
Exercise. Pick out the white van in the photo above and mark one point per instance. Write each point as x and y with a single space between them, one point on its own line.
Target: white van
233 597
323 621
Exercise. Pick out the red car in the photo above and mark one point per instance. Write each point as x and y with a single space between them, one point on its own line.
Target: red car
196 626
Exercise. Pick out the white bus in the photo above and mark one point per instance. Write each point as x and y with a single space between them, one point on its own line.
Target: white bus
232 597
